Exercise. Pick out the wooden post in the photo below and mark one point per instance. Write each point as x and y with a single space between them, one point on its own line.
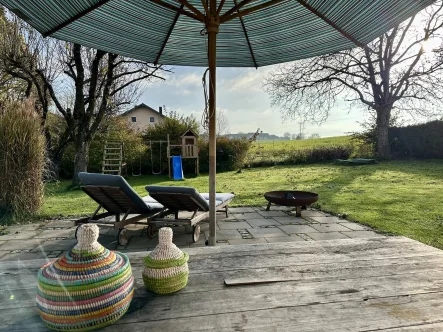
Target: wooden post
169 158
212 24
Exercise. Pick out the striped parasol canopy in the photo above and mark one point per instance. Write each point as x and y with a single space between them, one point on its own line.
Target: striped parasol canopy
252 33
223 33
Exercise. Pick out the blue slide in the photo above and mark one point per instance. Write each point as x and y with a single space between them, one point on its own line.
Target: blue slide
177 168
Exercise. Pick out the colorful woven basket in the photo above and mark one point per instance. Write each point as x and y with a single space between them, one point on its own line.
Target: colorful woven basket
166 267
88 288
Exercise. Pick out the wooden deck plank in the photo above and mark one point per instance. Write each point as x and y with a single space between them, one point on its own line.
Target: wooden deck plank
335 247
433 327
350 270
393 284
16 280
266 296
205 282
387 314
358 248
203 262
370 315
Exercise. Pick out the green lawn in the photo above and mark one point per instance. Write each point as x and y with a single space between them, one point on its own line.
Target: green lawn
400 197
268 146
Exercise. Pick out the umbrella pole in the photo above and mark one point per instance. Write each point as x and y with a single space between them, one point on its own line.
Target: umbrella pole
212 29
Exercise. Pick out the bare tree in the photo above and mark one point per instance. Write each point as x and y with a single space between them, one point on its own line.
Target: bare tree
314 135
84 86
392 73
287 135
222 123
11 88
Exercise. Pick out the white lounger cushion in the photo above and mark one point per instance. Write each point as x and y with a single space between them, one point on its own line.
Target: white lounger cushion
223 197
220 199
201 199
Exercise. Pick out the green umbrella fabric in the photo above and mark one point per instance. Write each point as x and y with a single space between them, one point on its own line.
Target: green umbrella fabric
285 31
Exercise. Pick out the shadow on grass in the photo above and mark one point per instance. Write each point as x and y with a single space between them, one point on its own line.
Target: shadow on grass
432 168
340 183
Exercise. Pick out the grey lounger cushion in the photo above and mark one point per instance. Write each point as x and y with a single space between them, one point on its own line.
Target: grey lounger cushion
152 203
107 180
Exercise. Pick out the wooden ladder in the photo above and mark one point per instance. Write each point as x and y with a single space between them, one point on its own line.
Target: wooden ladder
113 157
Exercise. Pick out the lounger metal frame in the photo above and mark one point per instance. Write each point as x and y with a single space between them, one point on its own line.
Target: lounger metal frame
177 202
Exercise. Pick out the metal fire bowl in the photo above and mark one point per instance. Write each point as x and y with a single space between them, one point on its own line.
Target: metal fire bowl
300 197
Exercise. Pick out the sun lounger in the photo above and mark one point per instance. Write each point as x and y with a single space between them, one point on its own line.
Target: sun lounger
117 197
180 199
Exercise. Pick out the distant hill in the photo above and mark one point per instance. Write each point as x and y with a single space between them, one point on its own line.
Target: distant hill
261 137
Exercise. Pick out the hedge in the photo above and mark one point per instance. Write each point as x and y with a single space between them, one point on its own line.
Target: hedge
421 141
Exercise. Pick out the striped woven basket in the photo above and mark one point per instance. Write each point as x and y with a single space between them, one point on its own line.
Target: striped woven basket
88 288
166 267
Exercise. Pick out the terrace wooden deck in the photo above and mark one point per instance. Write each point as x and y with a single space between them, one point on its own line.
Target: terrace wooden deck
381 284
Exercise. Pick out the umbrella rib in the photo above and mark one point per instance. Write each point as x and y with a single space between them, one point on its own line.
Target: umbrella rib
167 36
178 10
220 6
236 8
247 38
331 23
224 18
193 9
205 6
75 18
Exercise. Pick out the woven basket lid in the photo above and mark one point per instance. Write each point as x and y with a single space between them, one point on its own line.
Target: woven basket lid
88 288
166 254
87 262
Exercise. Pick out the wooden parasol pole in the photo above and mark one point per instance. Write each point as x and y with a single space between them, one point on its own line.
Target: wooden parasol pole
212 24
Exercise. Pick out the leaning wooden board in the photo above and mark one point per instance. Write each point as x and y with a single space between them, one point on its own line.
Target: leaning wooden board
383 284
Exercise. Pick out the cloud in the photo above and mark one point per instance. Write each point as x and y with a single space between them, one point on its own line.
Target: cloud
246 81
185 81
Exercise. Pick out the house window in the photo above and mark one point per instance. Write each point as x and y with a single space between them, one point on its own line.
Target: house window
134 119
151 119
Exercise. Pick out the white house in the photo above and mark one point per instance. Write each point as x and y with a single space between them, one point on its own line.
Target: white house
142 116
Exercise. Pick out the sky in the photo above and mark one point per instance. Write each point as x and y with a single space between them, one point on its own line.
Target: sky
241 97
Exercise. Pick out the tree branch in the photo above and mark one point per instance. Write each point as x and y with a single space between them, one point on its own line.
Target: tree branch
106 96
79 106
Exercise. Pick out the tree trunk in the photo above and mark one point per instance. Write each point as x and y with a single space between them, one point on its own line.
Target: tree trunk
54 169
81 158
383 145
55 153
56 157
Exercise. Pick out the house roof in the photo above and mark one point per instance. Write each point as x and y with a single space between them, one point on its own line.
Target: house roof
142 105
190 132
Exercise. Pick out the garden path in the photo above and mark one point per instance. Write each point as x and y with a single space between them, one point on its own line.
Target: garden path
244 225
